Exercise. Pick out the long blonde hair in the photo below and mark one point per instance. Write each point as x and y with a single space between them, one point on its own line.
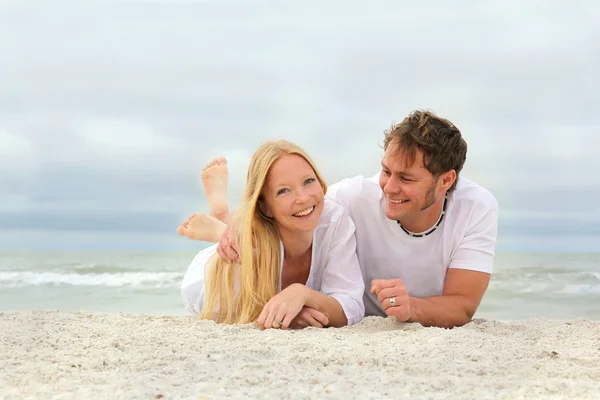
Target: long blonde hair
259 269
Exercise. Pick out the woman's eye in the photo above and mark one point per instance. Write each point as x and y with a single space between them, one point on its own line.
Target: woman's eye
309 180
281 191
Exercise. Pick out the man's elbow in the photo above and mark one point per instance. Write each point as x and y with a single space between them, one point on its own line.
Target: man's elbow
463 315
468 310
465 318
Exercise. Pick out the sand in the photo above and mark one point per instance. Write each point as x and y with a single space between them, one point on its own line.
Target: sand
54 355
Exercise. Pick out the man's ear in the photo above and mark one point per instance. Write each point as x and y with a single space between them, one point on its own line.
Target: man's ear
447 179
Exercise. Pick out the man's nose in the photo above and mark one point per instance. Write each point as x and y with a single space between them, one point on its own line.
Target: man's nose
392 186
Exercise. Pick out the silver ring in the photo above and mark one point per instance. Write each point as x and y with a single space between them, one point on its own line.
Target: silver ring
278 322
393 301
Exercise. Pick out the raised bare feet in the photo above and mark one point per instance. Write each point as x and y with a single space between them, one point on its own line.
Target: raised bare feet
214 180
200 226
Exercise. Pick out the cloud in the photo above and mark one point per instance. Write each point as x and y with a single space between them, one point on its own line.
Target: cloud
109 110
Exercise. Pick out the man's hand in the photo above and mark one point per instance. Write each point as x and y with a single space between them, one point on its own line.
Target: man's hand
309 317
228 247
279 312
393 297
463 290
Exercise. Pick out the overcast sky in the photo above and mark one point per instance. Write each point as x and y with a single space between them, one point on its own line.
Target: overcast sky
108 110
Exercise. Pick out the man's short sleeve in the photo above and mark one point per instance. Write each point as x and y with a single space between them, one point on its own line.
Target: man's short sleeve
476 251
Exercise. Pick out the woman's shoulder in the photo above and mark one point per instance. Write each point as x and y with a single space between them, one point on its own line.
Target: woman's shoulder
332 212
202 258
207 252
335 230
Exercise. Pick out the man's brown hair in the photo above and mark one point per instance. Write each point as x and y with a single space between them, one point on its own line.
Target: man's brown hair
440 141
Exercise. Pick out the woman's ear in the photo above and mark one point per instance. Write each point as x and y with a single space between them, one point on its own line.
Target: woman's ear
264 209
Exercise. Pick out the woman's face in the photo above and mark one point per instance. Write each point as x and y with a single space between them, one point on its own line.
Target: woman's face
293 195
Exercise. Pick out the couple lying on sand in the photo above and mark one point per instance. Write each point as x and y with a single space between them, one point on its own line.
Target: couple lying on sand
415 241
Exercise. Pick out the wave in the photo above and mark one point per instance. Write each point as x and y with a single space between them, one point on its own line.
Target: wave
101 269
135 280
547 282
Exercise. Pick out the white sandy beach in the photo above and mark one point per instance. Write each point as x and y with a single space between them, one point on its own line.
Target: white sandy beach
47 355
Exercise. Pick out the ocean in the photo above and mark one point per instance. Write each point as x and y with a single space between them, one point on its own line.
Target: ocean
524 285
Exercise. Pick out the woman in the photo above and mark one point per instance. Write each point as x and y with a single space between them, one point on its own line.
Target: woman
298 250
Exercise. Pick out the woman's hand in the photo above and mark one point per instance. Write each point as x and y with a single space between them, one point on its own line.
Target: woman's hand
309 317
279 312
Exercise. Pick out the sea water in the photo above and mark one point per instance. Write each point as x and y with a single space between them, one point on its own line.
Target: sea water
524 285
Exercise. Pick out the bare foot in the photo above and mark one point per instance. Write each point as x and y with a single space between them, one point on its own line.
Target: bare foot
214 180
202 227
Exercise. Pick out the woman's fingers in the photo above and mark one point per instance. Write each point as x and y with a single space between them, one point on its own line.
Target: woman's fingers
313 322
261 319
270 320
287 320
319 317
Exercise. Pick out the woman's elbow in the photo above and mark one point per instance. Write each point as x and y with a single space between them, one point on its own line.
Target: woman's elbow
356 312
192 300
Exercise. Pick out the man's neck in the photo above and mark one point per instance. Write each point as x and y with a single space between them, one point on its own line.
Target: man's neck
424 220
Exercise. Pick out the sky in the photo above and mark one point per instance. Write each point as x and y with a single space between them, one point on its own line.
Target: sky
108 110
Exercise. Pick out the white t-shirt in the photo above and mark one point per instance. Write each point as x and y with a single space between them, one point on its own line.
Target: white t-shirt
334 270
465 239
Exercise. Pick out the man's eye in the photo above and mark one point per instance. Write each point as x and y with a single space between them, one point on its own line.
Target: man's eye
406 179
385 172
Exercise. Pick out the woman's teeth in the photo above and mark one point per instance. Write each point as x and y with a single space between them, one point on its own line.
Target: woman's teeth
304 213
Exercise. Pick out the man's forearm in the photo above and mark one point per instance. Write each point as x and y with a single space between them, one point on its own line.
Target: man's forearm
442 311
328 306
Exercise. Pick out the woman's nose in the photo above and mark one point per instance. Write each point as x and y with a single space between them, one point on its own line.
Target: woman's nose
302 196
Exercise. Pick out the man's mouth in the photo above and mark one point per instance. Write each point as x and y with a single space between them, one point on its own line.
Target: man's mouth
304 212
397 201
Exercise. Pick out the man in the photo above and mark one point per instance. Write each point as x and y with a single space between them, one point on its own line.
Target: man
425 236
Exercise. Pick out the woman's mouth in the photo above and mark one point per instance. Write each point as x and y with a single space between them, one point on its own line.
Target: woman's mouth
304 213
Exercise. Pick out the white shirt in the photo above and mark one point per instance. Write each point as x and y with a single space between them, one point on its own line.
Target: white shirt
334 269
465 239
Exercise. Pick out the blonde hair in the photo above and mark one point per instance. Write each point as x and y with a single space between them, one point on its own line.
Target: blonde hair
259 267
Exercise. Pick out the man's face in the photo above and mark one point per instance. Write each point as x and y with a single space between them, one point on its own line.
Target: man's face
409 190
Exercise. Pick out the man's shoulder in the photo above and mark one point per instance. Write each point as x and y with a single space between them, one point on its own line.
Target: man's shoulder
359 187
469 192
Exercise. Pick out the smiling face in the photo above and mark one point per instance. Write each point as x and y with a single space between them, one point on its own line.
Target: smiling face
293 195
413 195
